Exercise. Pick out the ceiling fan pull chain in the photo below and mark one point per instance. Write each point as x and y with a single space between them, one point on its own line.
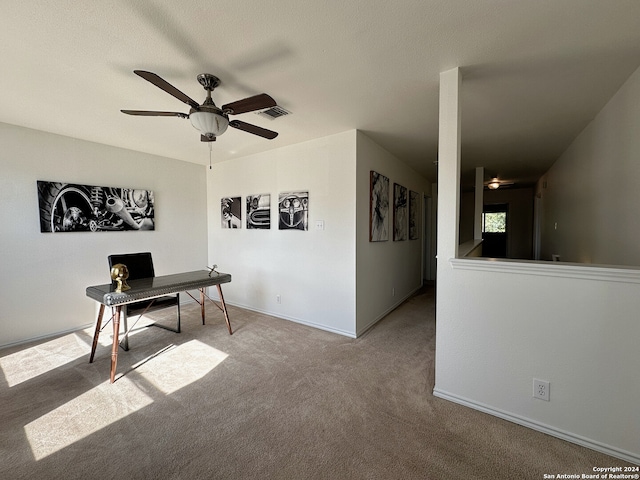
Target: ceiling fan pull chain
210 148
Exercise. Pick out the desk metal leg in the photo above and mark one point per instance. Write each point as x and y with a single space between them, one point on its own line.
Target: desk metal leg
96 333
202 303
224 309
114 347
125 323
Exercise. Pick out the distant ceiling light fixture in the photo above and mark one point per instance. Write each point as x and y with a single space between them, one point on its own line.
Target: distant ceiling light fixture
494 184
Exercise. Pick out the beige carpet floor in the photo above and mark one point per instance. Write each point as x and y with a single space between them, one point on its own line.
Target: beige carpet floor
276 400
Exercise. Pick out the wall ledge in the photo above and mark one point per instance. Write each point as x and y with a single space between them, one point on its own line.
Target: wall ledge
466 248
605 273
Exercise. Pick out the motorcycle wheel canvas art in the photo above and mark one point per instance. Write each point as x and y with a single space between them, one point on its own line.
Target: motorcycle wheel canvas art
70 207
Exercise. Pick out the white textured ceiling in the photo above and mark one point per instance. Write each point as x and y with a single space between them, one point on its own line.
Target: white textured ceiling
535 72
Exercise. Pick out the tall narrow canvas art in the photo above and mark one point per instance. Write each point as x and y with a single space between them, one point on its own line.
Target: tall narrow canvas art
378 208
231 212
414 215
293 210
399 212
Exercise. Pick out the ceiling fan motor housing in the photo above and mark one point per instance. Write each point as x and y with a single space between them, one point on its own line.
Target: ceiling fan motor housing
208 81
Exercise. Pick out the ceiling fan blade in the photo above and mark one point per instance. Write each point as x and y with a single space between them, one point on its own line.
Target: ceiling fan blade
257 102
147 113
167 87
207 139
247 127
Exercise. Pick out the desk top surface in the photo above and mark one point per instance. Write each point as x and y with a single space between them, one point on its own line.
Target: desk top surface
144 288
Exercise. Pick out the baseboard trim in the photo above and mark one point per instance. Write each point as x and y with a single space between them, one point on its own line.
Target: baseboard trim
345 333
540 427
362 331
291 319
186 300
47 336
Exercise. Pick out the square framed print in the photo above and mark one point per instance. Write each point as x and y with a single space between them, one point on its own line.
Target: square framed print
231 212
259 211
293 211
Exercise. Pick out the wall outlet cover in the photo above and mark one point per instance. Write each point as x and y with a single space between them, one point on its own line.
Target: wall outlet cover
541 389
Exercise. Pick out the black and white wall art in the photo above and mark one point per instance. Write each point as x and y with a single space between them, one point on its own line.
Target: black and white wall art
71 207
259 211
414 215
293 211
378 208
231 212
399 212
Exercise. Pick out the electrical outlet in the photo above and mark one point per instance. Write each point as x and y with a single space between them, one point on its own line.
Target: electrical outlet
541 389
278 299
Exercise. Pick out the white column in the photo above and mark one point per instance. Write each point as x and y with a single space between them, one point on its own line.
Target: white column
447 294
477 219
449 167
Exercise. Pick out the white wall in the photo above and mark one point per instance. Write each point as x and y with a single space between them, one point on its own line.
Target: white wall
323 277
388 272
503 323
591 192
314 271
44 275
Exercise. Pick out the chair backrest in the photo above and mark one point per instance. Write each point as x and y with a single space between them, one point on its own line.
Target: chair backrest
140 265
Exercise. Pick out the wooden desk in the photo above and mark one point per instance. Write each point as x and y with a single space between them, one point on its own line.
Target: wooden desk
148 288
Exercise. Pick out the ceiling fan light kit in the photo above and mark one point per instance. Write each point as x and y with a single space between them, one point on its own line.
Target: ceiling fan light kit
210 124
207 118
496 183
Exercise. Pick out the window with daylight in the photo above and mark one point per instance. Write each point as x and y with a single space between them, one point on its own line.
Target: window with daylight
494 222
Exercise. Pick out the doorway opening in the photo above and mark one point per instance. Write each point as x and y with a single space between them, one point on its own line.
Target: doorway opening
428 256
494 230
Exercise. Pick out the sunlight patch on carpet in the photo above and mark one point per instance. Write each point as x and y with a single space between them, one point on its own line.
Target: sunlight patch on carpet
84 415
31 362
168 370
180 366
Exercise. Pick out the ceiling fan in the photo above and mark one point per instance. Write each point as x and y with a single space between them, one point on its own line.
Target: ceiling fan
495 183
210 120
